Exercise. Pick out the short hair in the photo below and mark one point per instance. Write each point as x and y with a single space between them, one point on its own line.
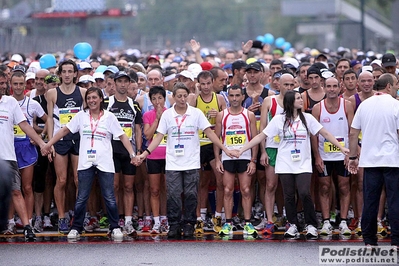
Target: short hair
215 71
276 62
180 86
18 74
343 60
133 75
2 74
383 81
349 71
303 65
204 75
157 90
235 87
381 69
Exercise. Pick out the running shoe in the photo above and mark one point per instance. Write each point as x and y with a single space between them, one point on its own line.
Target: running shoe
353 225
104 222
188 230
11 229
358 229
261 225
47 223
18 222
63 226
343 228
28 233
73 234
291 230
217 223
249 229
237 224
156 228
280 221
117 234
38 226
268 229
147 225
91 225
227 229
327 228
121 222
311 231
164 228
199 227
175 231
129 229
141 224
381 228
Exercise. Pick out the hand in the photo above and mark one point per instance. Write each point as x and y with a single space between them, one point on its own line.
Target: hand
345 151
264 159
139 159
219 166
212 113
353 166
251 168
246 47
159 111
254 107
195 46
319 164
45 150
232 153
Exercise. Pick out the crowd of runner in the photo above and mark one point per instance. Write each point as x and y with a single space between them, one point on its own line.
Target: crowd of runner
197 159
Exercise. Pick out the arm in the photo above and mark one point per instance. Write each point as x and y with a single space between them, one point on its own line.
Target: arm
264 114
83 92
255 141
138 136
216 149
196 46
327 135
216 141
51 98
353 138
314 140
31 133
246 47
128 146
154 143
222 102
251 169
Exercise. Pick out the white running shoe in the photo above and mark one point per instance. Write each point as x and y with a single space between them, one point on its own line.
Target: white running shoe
73 234
117 234
156 228
261 225
343 228
47 222
292 231
311 231
129 229
327 228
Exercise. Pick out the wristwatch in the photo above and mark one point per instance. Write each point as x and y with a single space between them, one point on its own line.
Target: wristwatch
254 160
352 157
132 155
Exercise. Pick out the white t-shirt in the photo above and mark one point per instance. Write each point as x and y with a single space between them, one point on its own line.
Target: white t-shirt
107 127
10 115
293 144
378 119
186 144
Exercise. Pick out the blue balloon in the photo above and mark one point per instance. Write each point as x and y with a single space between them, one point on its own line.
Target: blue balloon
260 38
286 46
82 50
268 38
279 42
101 68
47 61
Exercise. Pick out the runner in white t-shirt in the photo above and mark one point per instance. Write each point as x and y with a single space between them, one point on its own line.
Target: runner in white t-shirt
96 127
294 162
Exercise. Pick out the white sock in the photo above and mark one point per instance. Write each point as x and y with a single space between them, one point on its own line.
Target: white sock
11 221
156 220
218 214
128 219
203 213
148 218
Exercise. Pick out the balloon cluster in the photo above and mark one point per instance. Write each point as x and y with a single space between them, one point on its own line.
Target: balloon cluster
279 42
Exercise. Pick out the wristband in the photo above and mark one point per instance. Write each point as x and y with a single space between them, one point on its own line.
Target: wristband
352 157
132 155
147 151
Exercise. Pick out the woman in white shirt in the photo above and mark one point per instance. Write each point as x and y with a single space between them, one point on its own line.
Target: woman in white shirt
294 161
96 127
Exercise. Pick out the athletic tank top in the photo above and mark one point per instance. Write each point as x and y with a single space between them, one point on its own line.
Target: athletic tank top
337 124
310 103
19 135
205 107
358 101
275 108
65 108
32 93
248 102
236 132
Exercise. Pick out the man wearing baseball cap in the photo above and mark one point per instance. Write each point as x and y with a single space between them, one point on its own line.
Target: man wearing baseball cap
316 93
389 63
